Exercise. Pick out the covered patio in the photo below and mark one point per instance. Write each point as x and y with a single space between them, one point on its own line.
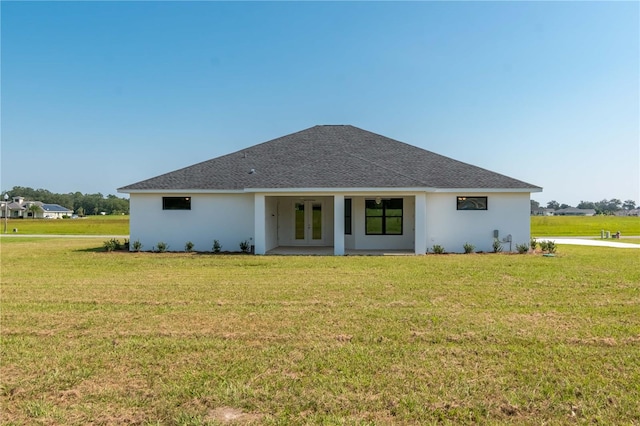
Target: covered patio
345 223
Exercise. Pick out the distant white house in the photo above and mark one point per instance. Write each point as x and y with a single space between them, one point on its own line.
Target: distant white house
337 187
18 208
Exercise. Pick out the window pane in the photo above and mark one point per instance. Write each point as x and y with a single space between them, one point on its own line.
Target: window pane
472 203
394 225
176 203
374 225
299 221
347 216
394 203
316 225
373 209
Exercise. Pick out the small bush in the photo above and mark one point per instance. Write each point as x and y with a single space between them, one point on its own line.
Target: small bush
522 248
161 247
136 245
112 245
217 246
125 245
468 248
497 246
533 244
188 247
548 246
245 247
437 249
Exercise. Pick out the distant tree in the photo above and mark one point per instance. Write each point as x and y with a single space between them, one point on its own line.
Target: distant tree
564 206
80 211
629 205
34 209
534 205
553 204
586 205
614 205
608 207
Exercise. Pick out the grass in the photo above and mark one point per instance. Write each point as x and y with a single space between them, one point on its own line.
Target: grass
142 338
90 225
557 226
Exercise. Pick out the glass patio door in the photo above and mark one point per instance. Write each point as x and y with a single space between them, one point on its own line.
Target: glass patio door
308 222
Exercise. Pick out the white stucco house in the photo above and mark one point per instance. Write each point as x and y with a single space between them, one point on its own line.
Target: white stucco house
337 187
19 208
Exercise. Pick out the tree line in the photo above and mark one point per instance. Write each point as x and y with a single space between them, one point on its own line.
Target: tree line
606 207
81 204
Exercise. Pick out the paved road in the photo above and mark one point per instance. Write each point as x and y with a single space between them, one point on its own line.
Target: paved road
583 241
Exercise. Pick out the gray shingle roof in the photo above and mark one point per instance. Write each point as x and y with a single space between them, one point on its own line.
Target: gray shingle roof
330 157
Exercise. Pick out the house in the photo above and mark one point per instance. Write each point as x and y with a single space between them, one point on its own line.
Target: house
573 211
18 208
338 187
541 211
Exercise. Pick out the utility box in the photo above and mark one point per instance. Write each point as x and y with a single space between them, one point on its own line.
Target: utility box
496 233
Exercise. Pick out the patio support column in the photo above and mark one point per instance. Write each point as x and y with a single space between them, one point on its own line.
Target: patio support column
338 225
259 238
420 236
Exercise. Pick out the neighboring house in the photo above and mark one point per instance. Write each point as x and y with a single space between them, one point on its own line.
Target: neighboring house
54 211
632 212
18 208
541 211
572 211
331 186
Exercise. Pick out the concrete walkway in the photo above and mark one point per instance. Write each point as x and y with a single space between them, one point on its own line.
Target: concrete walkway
588 242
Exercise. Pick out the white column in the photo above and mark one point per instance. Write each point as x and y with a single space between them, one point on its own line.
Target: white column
338 225
259 237
421 224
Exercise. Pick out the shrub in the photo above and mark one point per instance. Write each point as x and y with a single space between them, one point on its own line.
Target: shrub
245 247
469 248
497 246
533 244
217 246
161 247
125 245
437 249
188 247
548 246
112 245
522 248
137 245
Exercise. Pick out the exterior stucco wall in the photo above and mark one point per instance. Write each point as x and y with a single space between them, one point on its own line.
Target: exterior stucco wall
224 217
451 228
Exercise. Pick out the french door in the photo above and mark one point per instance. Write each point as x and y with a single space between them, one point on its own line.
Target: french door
308 223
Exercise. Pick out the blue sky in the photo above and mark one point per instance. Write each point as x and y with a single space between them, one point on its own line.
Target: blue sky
98 95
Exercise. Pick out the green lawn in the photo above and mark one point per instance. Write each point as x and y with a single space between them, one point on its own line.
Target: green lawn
90 225
142 338
546 226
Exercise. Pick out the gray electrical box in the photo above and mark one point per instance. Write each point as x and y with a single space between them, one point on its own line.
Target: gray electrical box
495 233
